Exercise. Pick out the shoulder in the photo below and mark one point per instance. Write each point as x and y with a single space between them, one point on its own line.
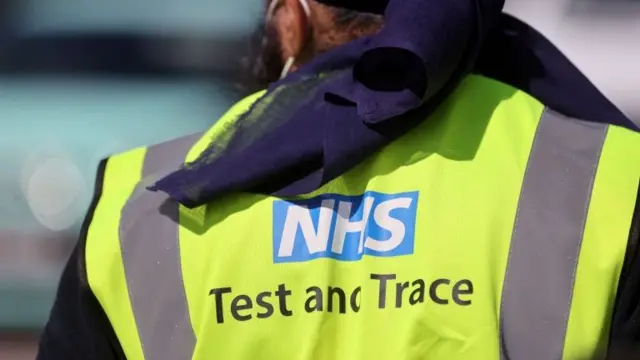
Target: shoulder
515 53
483 98
121 174
166 156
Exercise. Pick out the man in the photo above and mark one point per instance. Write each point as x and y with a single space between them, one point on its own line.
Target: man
445 186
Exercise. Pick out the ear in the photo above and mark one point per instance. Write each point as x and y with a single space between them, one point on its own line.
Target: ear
291 22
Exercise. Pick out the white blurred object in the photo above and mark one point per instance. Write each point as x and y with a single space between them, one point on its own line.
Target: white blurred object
56 192
608 51
544 15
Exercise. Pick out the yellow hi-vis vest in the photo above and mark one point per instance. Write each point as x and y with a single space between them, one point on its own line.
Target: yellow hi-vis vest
494 230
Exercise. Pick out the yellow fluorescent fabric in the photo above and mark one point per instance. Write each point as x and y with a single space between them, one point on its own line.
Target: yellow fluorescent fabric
467 162
103 254
605 240
464 168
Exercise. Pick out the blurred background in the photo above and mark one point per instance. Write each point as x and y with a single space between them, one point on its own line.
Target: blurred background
82 79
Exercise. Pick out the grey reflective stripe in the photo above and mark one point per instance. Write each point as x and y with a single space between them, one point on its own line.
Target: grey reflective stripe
547 237
151 257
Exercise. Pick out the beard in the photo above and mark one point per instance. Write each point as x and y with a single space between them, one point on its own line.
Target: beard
263 63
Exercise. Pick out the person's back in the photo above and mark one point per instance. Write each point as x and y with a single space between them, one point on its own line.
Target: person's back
312 222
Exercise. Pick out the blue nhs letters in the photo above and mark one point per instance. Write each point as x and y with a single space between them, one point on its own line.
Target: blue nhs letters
344 227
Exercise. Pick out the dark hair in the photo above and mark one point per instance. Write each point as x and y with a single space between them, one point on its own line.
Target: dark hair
346 18
263 63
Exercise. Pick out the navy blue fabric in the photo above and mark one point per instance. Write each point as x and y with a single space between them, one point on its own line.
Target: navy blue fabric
424 50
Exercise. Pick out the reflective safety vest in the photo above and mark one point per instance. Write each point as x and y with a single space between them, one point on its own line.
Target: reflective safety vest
494 230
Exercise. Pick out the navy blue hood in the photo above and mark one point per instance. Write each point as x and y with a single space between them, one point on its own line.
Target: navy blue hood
368 88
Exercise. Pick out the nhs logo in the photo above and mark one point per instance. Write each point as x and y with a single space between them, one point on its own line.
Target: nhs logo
344 227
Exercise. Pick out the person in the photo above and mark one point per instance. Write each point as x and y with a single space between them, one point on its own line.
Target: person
421 179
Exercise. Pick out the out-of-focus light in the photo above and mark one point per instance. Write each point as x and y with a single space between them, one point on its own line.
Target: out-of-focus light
56 192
